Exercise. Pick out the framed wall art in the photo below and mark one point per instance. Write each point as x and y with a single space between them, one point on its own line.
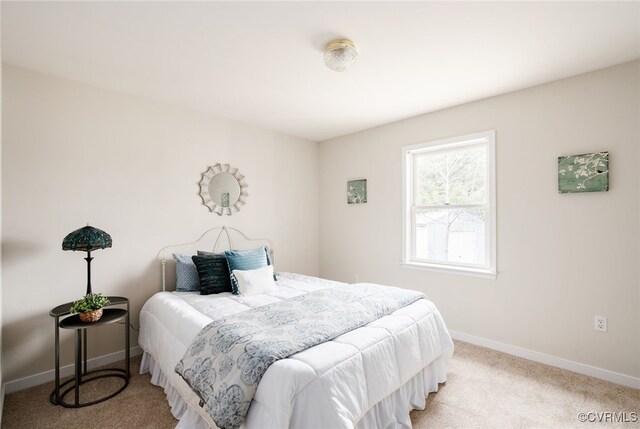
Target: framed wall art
588 172
357 191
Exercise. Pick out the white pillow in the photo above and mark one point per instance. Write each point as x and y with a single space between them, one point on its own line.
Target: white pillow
252 282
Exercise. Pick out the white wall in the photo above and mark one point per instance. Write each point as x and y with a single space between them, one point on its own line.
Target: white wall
74 154
562 258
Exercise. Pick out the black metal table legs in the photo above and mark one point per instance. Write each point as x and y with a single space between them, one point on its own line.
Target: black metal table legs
82 374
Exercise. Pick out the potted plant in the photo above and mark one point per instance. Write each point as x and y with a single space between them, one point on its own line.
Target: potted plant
90 307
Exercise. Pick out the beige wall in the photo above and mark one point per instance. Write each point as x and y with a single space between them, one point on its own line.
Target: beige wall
74 154
562 259
1 369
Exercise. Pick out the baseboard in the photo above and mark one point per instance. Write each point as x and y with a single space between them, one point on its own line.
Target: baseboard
580 368
1 402
47 376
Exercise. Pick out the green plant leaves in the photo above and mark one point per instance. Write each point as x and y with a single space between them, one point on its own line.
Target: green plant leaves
90 302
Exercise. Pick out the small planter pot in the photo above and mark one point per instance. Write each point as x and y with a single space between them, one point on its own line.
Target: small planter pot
91 316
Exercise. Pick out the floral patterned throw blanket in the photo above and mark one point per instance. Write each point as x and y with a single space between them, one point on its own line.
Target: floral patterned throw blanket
228 358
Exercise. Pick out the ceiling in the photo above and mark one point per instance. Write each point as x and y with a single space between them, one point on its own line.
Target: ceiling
261 62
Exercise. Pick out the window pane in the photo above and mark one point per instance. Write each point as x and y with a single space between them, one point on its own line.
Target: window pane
457 176
451 235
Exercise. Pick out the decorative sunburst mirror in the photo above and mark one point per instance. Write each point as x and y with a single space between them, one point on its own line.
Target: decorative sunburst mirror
223 189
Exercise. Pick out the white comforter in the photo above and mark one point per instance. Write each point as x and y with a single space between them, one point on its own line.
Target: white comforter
331 385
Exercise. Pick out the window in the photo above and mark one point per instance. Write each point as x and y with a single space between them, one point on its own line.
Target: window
449 204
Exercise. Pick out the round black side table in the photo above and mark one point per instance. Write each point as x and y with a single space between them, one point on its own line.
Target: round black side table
109 315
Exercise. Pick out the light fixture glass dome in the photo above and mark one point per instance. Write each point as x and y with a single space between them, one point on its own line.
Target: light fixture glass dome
340 54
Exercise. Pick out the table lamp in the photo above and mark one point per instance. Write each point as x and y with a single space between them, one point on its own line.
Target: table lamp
87 239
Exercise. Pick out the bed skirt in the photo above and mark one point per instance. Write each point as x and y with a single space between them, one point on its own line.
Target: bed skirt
391 412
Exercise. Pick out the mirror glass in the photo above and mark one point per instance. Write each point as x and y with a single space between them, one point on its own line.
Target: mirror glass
224 189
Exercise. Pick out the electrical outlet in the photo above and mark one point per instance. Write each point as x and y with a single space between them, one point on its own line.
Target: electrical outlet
600 324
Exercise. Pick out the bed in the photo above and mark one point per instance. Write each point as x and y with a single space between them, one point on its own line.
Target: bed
370 377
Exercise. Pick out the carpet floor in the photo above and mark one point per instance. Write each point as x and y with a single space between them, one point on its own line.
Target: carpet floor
485 389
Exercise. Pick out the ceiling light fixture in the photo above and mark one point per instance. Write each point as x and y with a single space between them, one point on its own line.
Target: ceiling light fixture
340 54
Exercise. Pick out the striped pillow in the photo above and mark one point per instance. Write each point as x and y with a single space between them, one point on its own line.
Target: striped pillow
213 272
245 260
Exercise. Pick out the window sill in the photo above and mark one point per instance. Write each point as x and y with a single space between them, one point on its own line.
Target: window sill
463 271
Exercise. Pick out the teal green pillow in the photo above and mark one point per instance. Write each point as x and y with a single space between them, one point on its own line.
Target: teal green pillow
245 260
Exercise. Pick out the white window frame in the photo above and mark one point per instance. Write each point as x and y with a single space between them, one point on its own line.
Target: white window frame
408 235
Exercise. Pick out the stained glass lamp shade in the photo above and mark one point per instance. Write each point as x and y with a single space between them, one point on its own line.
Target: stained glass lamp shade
87 239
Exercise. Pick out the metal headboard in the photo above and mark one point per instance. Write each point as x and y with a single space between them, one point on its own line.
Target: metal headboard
223 232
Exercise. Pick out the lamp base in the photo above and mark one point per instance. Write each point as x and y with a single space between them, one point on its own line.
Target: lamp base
88 259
